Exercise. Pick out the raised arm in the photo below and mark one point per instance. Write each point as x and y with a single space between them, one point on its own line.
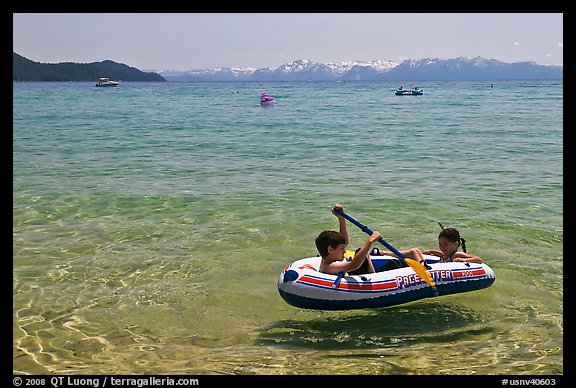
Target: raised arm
342 221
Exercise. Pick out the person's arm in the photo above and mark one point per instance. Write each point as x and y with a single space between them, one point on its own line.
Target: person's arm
412 253
342 221
433 252
361 254
346 266
464 257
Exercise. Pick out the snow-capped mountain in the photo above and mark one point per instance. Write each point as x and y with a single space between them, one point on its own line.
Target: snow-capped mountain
476 68
460 68
216 74
301 69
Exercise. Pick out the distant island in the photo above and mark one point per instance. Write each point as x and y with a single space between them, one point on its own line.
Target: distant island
427 69
24 69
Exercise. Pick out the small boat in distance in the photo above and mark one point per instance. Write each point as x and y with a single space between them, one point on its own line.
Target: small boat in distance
409 92
103 81
266 99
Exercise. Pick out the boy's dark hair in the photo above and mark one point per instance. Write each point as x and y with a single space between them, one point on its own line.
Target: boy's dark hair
453 235
328 238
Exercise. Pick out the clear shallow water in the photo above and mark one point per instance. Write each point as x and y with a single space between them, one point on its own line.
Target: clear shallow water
151 222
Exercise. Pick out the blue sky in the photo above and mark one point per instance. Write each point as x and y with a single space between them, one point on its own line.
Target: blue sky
186 41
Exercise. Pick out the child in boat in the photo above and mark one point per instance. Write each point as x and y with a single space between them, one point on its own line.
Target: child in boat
449 241
332 246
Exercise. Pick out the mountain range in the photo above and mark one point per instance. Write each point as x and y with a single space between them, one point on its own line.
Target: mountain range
460 68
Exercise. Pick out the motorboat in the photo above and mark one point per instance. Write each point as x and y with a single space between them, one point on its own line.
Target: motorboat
266 99
409 92
105 82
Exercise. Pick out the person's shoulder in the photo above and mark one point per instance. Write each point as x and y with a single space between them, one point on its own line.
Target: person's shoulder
325 266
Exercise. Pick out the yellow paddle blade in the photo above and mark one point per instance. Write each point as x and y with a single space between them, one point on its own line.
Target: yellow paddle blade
349 255
421 271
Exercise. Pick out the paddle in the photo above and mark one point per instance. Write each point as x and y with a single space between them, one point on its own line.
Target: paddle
337 281
416 266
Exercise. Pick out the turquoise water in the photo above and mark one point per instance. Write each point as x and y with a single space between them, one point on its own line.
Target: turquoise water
151 222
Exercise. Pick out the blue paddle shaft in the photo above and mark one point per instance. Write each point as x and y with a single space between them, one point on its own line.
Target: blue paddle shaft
337 281
369 232
366 229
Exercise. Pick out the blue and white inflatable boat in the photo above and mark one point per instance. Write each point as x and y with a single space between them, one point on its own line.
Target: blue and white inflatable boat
301 285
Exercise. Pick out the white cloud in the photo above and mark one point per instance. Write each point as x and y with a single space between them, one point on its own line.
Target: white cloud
517 44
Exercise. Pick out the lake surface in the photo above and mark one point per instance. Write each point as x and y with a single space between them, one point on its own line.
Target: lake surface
151 222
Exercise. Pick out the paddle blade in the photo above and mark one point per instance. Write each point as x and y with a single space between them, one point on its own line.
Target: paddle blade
421 271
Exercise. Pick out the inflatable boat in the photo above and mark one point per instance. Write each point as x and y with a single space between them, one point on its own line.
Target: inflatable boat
301 285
